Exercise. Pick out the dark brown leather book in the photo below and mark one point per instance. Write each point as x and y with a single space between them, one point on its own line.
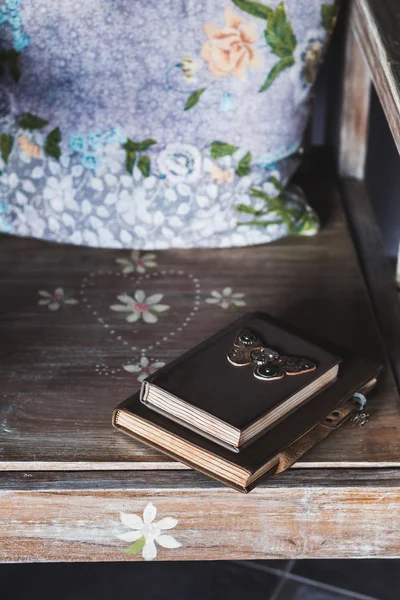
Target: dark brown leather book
272 452
241 381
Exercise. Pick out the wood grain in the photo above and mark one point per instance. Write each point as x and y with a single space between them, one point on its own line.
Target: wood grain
355 108
56 408
376 26
378 273
299 514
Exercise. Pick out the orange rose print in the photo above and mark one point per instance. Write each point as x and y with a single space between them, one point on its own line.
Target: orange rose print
32 150
230 50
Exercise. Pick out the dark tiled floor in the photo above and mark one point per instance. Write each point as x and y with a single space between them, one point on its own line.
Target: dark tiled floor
233 580
377 578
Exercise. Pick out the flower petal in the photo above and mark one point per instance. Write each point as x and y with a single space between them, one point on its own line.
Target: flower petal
44 301
59 291
54 305
227 291
131 521
44 293
216 294
239 302
211 30
126 299
148 317
168 541
120 308
149 551
160 307
154 298
144 361
139 296
132 368
212 300
70 301
231 18
135 316
130 536
149 513
167 523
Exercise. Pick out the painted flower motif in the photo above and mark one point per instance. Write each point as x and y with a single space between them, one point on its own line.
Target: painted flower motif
180 163
31 149
144 368
219 175
230 50
55 300
137 262
145 532
226 299
189 68
308 57
140 307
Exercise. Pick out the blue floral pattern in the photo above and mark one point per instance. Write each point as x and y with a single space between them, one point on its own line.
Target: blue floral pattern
126 127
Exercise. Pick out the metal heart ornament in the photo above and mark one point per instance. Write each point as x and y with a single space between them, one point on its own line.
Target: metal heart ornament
248 349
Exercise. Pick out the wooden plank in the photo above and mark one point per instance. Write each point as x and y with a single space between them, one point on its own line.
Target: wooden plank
378 273
355 108
63 371
296 515
376 26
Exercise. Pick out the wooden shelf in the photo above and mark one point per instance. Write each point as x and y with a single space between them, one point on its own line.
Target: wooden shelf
66 474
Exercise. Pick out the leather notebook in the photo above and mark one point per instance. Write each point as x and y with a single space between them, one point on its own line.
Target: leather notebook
241 381
270 452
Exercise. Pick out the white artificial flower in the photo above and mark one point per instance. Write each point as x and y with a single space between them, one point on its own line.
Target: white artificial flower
56 299
145 532
140 307
137 262
180 163
144 368
226 298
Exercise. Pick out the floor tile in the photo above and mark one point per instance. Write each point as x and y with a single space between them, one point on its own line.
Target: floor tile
293 590
155 581
378 578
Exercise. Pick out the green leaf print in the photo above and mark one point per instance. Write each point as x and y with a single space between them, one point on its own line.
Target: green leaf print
194 98
6 144
52 143
144 165
31 122
279 33
137 546
328 14
276 70
14 65
131 147
282 41
243 167
254 8
12 59
220 149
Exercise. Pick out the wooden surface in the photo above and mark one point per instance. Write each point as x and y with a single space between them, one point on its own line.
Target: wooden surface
355 107
376 26
62 371
300 514
378 273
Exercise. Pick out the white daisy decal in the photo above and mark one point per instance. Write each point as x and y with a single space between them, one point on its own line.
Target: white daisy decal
140 307
137 262
56 299
144 367
226 299
145 532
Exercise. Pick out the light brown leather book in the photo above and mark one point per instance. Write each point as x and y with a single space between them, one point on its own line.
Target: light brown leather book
241 381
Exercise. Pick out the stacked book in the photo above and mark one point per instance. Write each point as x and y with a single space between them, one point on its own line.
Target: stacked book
247 402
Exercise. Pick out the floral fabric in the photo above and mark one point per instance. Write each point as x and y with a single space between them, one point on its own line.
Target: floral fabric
152 125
